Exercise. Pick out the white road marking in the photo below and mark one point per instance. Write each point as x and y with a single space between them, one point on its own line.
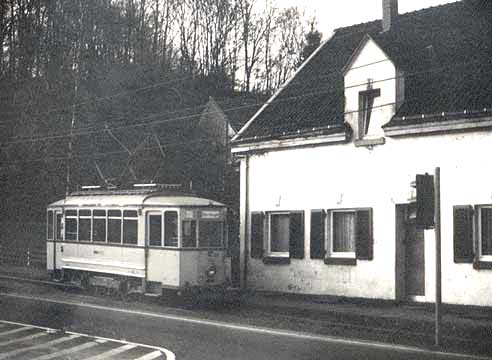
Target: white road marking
74 349
42 345
16 340
14 331
112 352
101 340
150 356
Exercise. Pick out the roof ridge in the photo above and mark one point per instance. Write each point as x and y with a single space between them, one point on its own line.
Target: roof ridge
406 14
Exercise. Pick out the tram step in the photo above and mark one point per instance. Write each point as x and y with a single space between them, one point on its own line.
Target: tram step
151 294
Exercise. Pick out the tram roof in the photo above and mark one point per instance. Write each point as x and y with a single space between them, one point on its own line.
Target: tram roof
121 199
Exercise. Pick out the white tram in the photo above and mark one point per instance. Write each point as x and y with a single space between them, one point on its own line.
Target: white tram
138 241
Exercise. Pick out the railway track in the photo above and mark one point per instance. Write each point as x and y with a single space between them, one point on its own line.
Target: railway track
305 321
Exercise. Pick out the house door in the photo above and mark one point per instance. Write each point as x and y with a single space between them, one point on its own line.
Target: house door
414 261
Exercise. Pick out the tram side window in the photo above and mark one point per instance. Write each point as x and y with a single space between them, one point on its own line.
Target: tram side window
114 226
59 226
99 226
71 225
50 225
171 228
189 233
85 225
155 230
130 227
210 233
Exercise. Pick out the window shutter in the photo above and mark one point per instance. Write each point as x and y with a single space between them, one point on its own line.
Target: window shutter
363 235
463 234
296 235
257 227
317 240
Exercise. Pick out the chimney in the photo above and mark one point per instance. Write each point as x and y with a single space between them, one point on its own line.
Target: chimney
390 14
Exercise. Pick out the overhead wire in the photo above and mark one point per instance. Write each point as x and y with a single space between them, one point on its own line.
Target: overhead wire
143 123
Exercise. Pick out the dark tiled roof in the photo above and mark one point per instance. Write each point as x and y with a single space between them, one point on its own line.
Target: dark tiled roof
444 51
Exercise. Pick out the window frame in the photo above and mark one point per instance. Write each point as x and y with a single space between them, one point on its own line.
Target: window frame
162 214
269 252
76 217
181 225
221 222
155 213
163 222
50 224
131 219
99 217
366 98
120 218
78 224
329 239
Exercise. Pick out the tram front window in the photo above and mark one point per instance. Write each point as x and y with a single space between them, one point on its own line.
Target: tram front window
189 233
171 228
211 233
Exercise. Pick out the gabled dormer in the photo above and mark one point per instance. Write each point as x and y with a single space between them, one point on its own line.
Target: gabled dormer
373 92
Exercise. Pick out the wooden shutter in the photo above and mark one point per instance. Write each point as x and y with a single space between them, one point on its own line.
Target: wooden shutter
463 234
317 240
257 231
363 235
296 235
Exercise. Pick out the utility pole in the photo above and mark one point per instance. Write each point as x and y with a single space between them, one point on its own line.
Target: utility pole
70 145
437 230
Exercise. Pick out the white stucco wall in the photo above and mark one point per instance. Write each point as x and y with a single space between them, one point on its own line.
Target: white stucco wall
345 176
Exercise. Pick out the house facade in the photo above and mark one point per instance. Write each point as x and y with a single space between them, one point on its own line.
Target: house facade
327 165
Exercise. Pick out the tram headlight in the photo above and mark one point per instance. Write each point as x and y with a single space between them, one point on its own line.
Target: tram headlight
211 271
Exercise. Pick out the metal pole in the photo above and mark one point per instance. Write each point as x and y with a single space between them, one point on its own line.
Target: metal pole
437 228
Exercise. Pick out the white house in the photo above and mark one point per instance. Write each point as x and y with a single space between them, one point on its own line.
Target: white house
327 164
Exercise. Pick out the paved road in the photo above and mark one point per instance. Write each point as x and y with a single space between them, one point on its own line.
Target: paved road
24 341
195 338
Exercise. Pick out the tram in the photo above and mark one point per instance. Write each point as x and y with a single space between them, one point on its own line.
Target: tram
146 240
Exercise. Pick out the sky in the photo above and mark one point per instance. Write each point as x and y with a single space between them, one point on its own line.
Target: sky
332 14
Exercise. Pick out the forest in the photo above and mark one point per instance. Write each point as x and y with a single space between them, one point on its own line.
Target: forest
111 91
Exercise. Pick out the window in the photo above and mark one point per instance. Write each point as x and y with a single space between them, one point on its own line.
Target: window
50 224
342 234
189 233
366 104
210 233
155 230
279 234
85 220
171 228
471 245
71 225
59 226
349 236
99 226
130 227
114 226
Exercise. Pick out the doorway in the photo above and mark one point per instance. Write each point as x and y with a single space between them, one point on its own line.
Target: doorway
410 255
